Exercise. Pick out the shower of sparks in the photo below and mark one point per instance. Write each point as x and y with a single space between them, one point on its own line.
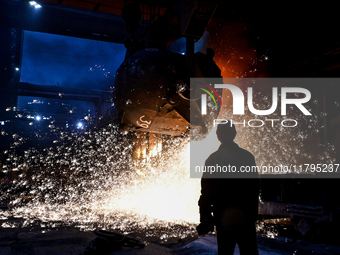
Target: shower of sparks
93 183
92 180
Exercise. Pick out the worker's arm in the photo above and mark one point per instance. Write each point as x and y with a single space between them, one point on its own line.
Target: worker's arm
206 199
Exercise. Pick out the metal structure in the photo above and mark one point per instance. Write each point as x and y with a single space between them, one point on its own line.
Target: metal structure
152 85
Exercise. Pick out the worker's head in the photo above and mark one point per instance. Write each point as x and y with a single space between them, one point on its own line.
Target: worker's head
210 53
226 132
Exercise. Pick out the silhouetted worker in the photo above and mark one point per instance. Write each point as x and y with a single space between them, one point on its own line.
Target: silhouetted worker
232 197
207 64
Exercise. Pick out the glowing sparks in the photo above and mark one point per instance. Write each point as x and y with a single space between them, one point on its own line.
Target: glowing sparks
95 182
105 179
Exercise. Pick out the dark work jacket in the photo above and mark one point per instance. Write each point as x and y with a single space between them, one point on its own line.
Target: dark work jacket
232 197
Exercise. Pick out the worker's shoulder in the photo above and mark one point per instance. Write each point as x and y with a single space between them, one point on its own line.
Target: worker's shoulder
212 157
245 152
235 150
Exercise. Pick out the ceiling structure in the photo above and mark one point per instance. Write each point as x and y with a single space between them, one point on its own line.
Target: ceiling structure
66 21
292 34
109 7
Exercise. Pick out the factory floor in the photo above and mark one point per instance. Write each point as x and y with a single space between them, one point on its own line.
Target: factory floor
72 241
